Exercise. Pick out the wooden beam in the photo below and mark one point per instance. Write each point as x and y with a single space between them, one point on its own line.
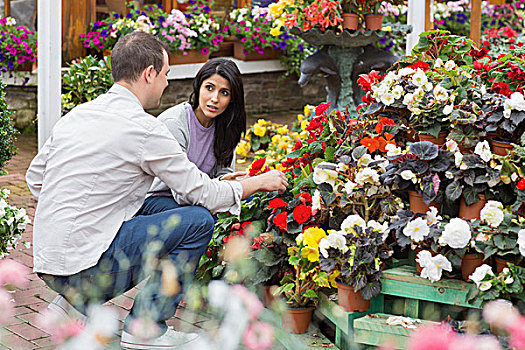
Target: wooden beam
429 20
77 17
475 20
497 2
7 8
169 5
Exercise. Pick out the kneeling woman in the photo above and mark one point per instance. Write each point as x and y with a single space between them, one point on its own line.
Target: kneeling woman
208 127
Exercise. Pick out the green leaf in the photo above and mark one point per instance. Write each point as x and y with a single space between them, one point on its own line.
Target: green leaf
310 294
294 260
424 150
329 153
453 191
217 270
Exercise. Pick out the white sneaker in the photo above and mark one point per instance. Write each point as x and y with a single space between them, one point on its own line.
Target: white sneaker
65 310
170 340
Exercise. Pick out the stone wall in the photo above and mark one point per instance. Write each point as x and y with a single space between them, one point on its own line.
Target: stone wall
22 101
263 93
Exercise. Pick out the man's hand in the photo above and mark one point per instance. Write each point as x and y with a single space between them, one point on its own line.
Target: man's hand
273 180
237 176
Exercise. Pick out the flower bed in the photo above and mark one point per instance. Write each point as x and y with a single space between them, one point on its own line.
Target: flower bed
18 46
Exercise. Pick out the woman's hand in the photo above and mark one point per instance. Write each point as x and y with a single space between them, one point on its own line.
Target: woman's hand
237 176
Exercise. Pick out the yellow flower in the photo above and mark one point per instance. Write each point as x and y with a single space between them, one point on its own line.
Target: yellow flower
275 9
312 254
275 31
387 29
300 117
332 278
304 124
259 130
283 145
243 148
283 130
280 167
312 236
306 110
299 239
276 139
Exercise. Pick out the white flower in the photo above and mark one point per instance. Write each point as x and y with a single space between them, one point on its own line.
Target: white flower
323 246
479 274
10 21
521 241
432 216
440 93
322 175
397 91
434 266
449 175
341 167
351 221
316 200
403 72
419 78
416 229
349 187
367 175
387 99
390 78
458 158
392 150
364 160
428 86
382 228
451 145
448 109
483 150
492 213
438 63
449 65
423 257
408 99
506 272
516 102
337 240
407 175
456 234
514 177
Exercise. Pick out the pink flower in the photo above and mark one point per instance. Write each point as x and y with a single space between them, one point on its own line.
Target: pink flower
258 336
144 328
58 327
517 334
6 306
435 337
471 342
13 273
251 302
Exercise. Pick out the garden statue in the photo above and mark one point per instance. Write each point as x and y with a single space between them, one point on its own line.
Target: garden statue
321 62
371 59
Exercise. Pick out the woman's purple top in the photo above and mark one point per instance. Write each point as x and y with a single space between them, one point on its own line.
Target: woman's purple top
200 148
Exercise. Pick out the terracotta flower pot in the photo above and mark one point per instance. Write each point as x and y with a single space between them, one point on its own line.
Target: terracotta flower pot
501 263
297 320
191 56
470 263
471 211
268 299
373 21
440 140
269 53
500 148
225 50
417 205
350 300
350 21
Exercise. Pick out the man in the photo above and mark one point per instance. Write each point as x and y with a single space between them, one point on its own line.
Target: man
91 178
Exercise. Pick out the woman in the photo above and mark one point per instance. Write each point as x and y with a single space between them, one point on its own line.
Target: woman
209 126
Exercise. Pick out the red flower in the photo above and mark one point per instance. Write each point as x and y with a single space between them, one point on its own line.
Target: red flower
302 213
298 144
305 198
521 185
321 108
502 88
257 166
420 64
256 243
366 80
383 122
280 220
314 124
277 203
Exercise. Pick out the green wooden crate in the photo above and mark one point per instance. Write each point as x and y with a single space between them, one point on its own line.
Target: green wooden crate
373 330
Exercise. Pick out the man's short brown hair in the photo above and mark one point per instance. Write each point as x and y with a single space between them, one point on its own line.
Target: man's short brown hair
135 52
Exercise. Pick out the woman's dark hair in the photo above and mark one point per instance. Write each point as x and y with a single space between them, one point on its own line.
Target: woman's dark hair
232 122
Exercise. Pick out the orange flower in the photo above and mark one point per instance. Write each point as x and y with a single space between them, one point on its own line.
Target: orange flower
383 122
383 141
370 143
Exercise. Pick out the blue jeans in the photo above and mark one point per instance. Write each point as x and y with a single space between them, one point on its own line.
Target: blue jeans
162 230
